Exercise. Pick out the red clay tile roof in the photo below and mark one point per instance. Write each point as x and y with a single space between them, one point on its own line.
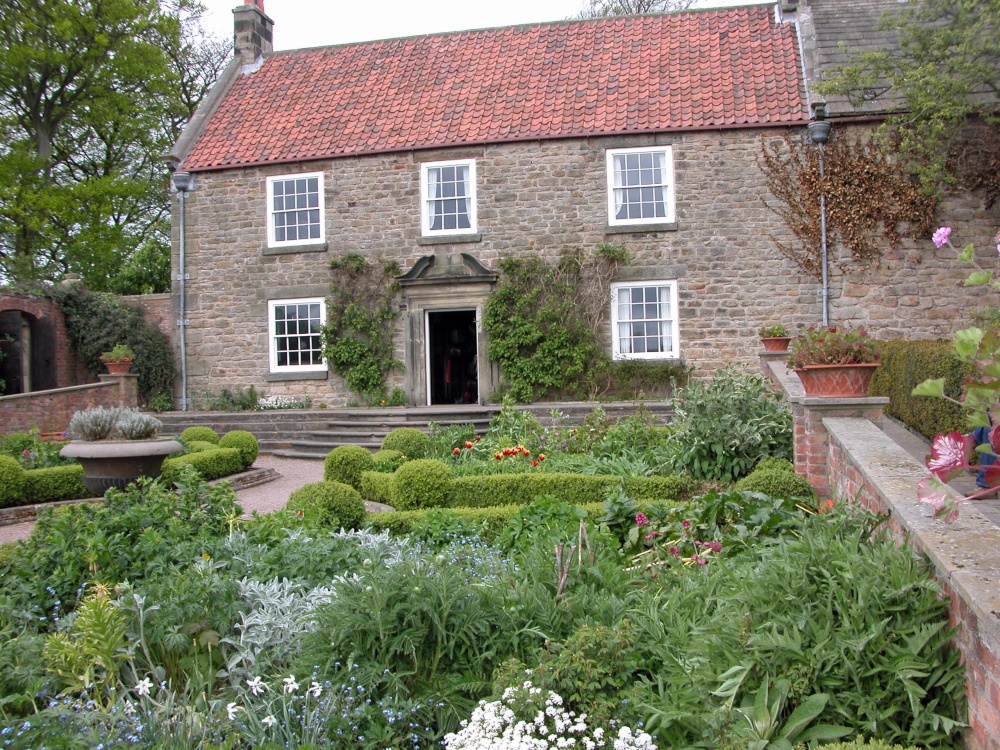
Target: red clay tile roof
728 67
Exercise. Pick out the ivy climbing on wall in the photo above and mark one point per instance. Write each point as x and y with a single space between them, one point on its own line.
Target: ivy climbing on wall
542 321
870 199
358 336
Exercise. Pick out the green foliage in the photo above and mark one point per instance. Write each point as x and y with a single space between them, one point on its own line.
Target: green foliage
244 442
211 464
133 534
11 482
545 520
906 364
203 434
346 463
409 441
577 489
773 463
118 353
541 321
376 486
54 483
946 57
231 399
422 483
387 460
161 402
832 346
358 336
96 322
858 619
862 744
776 483
644 378
722 427
773 331
196 446
329 504
439 527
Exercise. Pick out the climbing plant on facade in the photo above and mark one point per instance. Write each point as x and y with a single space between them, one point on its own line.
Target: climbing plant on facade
869 199
542 320
357 339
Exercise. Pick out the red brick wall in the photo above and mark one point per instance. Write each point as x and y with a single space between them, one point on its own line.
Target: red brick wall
156 310
68 370
50 411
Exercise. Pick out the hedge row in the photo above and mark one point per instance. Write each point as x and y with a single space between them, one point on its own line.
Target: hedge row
490 521
905 365
211 464
21 487
512 489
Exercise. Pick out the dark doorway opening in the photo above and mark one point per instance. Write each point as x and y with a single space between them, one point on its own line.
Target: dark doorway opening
452 357
28 348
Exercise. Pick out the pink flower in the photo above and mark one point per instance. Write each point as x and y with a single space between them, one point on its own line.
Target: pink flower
699 560
686 524
939 496
940 237
674 551
651 535
714 546
950 455
641 520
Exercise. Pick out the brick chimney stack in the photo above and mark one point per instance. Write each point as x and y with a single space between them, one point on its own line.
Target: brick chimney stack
252 31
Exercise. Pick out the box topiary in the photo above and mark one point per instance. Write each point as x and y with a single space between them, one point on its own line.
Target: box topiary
423 483
11 483
376 487
244 442
776 483
769 463
576 489
206 434
196 446
54 483
331 504
213 464
346 463
409 441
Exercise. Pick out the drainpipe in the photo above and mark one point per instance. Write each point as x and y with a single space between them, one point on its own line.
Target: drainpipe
182 183
819 133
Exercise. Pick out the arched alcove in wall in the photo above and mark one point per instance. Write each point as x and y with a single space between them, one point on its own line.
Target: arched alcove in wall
28 343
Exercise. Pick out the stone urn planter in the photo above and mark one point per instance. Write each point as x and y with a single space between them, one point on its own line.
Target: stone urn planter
116 446
837 381
117 463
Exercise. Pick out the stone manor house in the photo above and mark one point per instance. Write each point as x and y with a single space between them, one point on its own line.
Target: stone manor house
448 152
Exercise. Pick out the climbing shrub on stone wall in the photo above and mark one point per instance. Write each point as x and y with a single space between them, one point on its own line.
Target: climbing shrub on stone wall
357 339
869 199
96 322
542 321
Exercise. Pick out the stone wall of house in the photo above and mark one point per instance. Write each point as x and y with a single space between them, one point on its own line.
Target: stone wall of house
544 197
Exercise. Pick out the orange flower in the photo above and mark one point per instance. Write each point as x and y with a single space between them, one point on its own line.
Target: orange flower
498 455
468 444
824 506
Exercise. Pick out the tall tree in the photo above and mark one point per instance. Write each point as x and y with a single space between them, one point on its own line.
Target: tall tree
599 8
946 71
92 92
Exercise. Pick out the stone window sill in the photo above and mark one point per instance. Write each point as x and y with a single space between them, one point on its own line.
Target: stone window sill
319 247
450 239
641 228
278 377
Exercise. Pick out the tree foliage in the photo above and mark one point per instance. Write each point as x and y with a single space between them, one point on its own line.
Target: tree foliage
601 8
92 92
946 71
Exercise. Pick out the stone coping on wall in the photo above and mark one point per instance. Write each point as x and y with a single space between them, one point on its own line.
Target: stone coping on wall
58 391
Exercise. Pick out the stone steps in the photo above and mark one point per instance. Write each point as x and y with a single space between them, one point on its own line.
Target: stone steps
313 433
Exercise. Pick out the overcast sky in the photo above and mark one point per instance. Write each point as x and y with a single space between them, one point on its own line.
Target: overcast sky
314 23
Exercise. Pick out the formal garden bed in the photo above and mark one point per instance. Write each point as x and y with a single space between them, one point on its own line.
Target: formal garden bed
533 577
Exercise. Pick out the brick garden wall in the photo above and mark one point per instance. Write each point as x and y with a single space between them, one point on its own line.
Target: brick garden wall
842 451
545 197
50 410
67 369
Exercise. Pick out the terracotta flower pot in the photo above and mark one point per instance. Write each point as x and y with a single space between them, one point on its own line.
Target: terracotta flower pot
837 381
776 343
119 366
117 463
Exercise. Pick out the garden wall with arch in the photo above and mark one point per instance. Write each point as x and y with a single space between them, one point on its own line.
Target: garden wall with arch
841 449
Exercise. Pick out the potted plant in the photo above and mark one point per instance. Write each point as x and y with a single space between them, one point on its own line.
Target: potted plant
775 338
834 363
118 360
116 446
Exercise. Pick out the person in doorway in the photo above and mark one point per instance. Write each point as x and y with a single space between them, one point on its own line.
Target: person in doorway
471 394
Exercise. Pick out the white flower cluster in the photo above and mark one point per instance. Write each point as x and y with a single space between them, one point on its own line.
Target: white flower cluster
495 726
280 402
